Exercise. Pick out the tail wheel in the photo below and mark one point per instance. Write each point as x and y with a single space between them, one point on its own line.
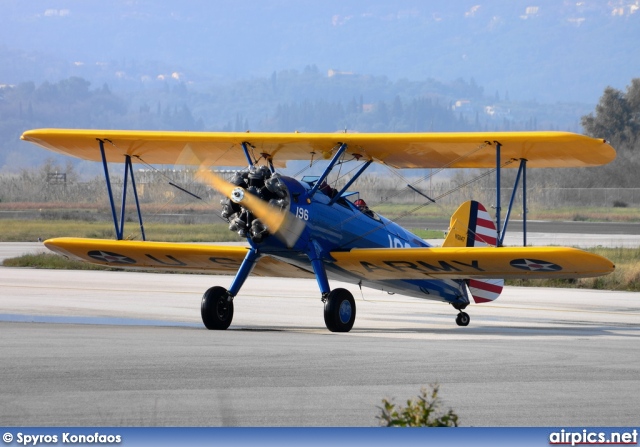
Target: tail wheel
463 319
339 311
216 308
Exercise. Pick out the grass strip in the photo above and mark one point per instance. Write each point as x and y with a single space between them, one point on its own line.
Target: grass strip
14 230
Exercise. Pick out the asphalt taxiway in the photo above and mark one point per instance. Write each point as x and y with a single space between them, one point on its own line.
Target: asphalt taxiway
123 348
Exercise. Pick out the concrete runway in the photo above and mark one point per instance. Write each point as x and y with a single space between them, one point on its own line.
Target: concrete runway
122 348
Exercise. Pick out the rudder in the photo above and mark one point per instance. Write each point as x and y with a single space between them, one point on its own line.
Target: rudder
472 226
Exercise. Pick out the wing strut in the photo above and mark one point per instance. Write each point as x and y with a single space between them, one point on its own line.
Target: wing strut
246 153
522 170
498 147
128 169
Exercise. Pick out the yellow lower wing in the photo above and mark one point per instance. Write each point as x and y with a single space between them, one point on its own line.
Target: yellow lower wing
373 264
472 262
215 259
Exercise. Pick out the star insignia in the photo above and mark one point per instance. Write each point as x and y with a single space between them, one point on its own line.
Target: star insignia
109 257
535 265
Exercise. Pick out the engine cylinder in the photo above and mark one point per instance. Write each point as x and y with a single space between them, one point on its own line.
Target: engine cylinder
259 181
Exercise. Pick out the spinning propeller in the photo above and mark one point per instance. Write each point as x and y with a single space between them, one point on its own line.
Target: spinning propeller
277 219
280 222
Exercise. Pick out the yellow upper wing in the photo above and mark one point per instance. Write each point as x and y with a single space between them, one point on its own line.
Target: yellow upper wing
400 150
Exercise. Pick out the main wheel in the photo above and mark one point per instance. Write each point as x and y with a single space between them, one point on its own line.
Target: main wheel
463 319
216 308
339 311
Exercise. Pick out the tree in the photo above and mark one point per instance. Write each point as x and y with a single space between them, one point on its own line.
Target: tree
421 412
74 89
617 117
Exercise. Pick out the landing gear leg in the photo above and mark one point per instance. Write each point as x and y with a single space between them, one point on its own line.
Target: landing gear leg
217 302
339 305
463 319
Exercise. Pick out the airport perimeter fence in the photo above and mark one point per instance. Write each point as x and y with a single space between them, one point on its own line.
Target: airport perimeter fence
543 197
375 190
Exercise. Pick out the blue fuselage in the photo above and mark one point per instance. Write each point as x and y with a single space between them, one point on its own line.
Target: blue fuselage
341 226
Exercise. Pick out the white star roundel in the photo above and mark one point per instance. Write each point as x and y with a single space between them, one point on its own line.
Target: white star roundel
535 265
109 257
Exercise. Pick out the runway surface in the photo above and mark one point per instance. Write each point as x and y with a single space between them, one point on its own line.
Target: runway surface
121 348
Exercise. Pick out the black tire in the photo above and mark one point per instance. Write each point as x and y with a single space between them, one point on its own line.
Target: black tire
339 311
216 308
463 319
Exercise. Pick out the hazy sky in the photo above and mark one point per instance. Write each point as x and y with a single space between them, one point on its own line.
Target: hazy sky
539 49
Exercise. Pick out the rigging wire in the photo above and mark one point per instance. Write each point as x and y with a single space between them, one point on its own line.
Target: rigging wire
348 172
413 210
162 174
301 171
170 181
404 190
432 173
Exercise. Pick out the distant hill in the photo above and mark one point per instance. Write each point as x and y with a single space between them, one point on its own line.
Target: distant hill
544 50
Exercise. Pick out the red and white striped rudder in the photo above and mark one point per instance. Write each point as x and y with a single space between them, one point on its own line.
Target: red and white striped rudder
472 226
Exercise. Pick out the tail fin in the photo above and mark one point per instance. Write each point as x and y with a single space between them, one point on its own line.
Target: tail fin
471 226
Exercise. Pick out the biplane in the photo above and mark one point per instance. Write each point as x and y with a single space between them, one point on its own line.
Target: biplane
306 228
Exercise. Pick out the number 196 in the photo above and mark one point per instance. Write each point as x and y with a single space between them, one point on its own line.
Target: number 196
302 213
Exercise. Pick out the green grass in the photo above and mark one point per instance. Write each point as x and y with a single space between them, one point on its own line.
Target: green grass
428 234
395 210
587 214
31 230
51 261
444 212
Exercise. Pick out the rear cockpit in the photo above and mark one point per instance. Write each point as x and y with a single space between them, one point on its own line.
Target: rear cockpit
349 199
